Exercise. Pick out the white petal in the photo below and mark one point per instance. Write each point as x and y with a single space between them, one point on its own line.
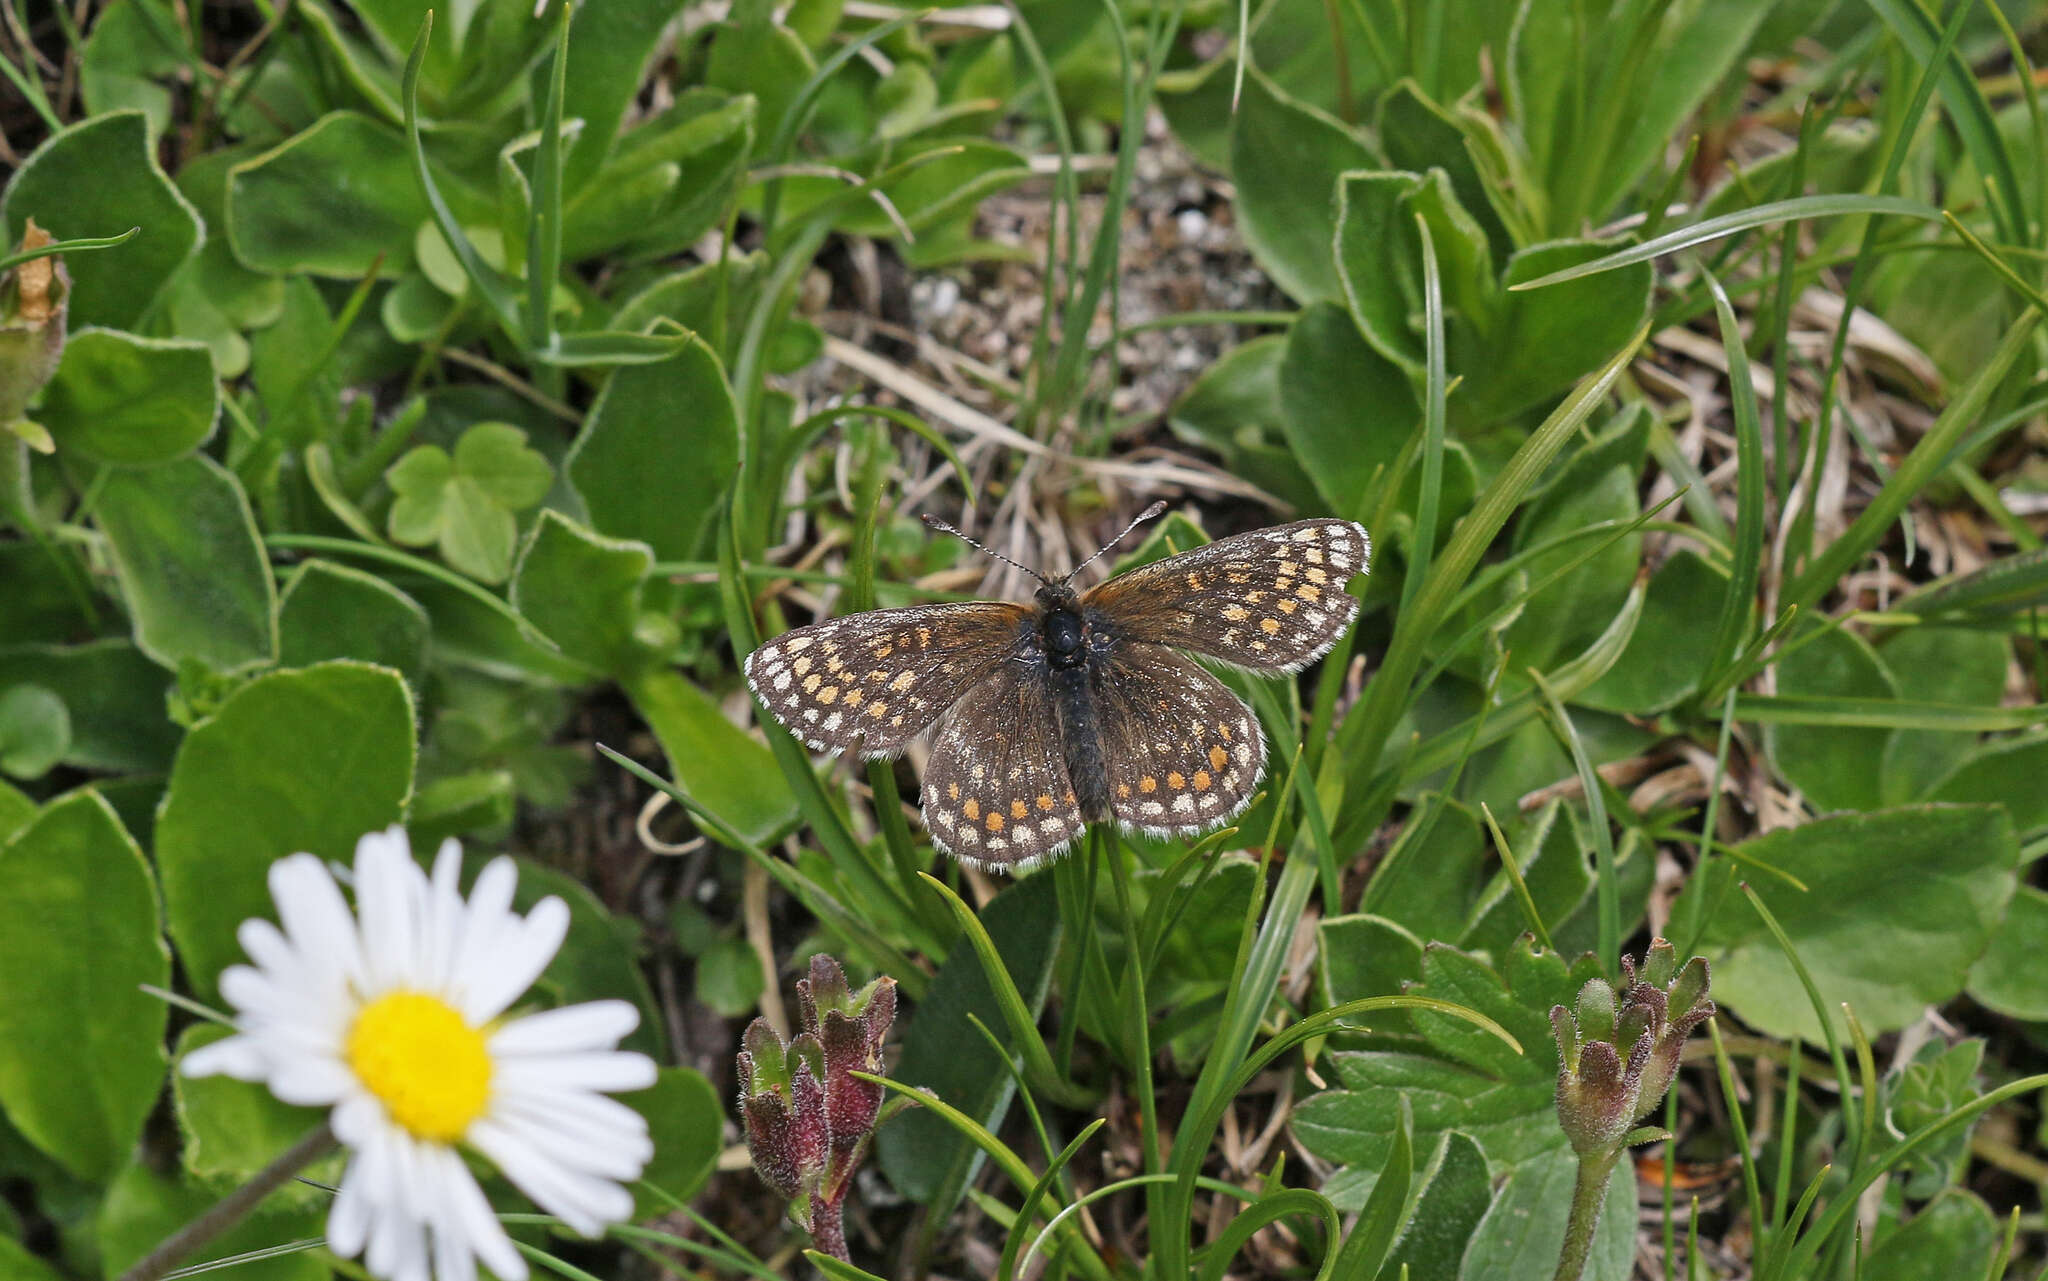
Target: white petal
614 1071
574 1151
518 960
465 1213
593 1025
390 890
311 1082
237 1056
315 917
444 919
348 1222
584 1202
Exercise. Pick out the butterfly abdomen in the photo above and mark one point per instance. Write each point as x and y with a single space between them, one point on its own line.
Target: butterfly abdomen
1080 740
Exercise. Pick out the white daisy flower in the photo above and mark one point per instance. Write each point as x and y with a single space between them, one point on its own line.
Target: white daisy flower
392 1017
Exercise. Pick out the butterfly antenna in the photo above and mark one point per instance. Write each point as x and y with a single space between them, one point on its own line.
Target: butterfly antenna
933 522
1154 512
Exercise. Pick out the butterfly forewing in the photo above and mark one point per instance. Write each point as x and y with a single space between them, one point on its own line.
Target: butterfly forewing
872 682
996 792
1183 753
1269 600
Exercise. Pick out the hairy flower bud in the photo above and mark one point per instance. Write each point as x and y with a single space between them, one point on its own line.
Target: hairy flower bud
808 1118
1617 1053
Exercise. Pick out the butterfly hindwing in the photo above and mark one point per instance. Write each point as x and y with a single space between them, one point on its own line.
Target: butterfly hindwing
996 792
1183 753
1269 600
872 682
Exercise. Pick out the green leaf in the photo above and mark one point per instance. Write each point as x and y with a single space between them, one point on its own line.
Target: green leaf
1664 659
1847 922
1348 409
1428 879
461 804
234 1128
1234 408
466 504
1286 158
1523 1233
121 399
16 812
286 213
1954 1231
715 762
609 46
658 451
1378 263
99 177
1596 484
1546 340
2012 975
583 592
81 1046
115 697
1838 767
306 760
1461 1077
35 731
763 59
334 611
729 978
923 1155
191 568
142 1208
1953 665
2004 772
1455 1195
687 1124
127 63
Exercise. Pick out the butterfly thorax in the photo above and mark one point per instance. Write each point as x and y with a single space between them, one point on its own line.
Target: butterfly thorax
1061 627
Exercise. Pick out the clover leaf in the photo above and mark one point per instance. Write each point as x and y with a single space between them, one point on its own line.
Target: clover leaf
466 504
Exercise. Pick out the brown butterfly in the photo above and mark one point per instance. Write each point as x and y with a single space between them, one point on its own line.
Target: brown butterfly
1080 707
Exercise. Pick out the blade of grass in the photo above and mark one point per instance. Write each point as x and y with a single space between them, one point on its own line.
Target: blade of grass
1363 735
544 223
1607 892
1700 233
1738 608
1432 420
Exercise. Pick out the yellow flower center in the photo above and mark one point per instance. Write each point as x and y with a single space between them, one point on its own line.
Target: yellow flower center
425 1062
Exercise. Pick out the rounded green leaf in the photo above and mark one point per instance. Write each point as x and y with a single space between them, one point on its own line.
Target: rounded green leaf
729 978
121 399
1349 409
1286 157
119 722
687 1123
335 611
35 731
81 1046
658 450
1939 876
304 760
582 591
190 564
287 212
99 177
2012 975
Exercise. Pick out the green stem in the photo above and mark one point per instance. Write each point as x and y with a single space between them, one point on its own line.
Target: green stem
1587 1194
